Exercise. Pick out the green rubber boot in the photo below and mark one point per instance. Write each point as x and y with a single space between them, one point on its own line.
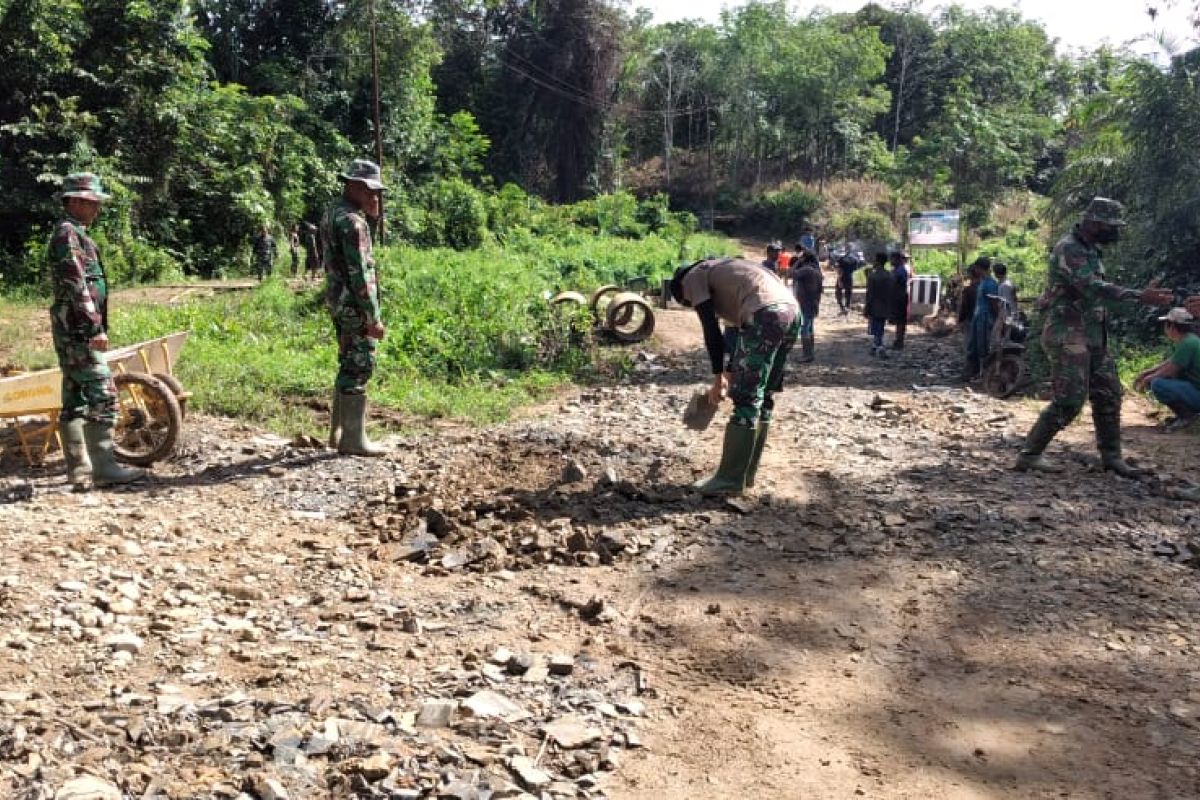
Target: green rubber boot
335 420
1108 441
760 441
1031 458
736 452
79 466
354 441
105 469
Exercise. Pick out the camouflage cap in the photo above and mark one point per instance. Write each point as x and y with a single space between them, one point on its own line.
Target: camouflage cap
1105 211
1180 316
84 185
775 246
366 172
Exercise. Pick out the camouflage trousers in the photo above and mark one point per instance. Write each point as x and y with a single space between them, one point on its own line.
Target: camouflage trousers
758 363
356 352
88 391
1079 373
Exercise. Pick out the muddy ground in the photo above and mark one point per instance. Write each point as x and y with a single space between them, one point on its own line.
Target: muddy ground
542 609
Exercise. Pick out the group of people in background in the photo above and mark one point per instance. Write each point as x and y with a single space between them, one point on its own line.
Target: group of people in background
888 288
301 236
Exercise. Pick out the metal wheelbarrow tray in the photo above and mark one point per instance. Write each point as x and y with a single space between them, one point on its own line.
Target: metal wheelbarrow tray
151 401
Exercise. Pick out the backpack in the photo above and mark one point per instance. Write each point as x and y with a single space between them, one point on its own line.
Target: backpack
848 262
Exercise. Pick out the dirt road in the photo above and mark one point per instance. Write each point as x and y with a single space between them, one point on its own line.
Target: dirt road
541 608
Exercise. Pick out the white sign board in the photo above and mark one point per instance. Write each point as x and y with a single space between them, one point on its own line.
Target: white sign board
933 228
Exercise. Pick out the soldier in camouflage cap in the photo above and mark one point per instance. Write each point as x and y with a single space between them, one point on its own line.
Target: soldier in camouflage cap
352 297
1076 303
79 324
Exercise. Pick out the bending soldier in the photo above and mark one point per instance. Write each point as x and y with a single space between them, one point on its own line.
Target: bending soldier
755 301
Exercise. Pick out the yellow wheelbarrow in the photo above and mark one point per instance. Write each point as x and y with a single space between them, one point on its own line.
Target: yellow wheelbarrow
151 401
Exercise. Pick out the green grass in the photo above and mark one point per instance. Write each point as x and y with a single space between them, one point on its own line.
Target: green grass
19 314
470 334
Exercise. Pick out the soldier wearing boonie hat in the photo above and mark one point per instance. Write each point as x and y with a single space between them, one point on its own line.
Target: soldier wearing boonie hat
1076 303
352 296
79 325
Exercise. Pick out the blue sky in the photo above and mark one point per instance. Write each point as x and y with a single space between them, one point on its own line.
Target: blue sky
1076 23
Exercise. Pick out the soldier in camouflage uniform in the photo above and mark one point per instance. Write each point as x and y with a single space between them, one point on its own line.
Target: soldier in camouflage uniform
352 297
264 253
79 324
1075 337
755 302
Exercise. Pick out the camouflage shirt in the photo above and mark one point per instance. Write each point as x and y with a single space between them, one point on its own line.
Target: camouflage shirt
1077 297
349 261
264 247
80 308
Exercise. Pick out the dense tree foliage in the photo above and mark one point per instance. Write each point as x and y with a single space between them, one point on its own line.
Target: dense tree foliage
1135 136
211 117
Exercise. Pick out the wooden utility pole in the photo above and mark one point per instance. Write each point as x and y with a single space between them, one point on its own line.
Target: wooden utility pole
375 109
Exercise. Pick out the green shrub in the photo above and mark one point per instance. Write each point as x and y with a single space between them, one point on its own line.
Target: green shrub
784 211
655 212
871 227
613 214
511 208
456 215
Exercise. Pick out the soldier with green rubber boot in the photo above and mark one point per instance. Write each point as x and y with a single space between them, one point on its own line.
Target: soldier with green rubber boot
1076 303
352 296
79 324
755 301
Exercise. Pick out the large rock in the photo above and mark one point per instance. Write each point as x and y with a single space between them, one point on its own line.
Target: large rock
491 704
88 787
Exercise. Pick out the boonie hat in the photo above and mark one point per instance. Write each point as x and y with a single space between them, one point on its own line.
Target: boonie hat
364 171
1180 316
776 246
84 185
1105 211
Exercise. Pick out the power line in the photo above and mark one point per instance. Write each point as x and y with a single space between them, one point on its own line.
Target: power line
577 95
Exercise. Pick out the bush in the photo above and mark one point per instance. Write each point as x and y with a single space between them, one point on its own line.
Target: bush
456 215
613 214
511 208
868 226
655 212
784 211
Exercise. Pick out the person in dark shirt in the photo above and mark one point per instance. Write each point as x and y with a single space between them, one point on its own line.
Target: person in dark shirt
902 276
879 303
807 285
847 264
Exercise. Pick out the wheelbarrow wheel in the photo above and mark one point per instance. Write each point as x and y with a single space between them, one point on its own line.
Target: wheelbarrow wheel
1004 376
149 422
176 388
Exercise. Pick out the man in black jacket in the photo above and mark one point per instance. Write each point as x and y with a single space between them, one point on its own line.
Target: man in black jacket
807 283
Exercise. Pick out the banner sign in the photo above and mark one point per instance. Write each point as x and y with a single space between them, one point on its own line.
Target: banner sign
933 228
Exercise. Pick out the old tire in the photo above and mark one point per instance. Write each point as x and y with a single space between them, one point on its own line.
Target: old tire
602 297
149 420
629 318
568 297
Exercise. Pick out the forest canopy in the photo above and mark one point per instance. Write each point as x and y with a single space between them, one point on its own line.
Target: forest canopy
210 118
